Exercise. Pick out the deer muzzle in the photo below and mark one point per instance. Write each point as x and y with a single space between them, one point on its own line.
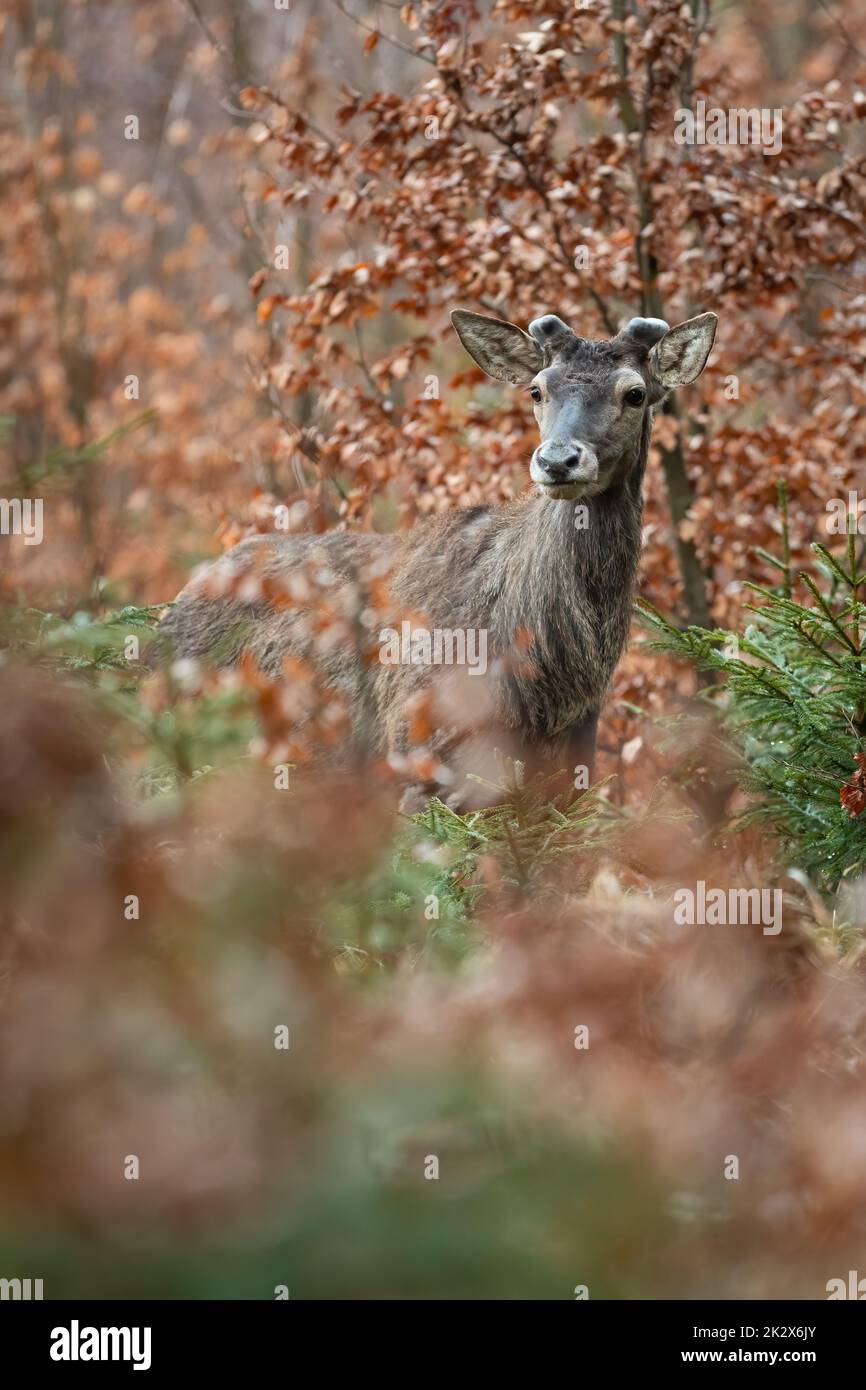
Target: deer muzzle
564 468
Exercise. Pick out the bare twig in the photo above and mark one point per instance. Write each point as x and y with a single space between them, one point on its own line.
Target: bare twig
380 34
841 27
743 172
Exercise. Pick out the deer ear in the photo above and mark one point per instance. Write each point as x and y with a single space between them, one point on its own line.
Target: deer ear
501 349
681 355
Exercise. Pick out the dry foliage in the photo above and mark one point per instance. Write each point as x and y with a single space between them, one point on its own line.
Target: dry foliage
245 307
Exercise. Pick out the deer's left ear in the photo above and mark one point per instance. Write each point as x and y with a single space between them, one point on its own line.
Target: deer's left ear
681 355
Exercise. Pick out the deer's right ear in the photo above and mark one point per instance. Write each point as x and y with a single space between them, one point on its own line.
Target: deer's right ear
501 349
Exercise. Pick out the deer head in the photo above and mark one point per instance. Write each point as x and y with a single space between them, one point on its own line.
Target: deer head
590 398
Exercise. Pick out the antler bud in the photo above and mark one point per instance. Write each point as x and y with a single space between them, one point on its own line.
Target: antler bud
646 331
551 334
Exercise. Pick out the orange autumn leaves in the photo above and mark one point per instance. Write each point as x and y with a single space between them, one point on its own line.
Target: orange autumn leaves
852 794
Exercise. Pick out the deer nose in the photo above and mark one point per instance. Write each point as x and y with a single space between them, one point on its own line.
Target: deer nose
558 469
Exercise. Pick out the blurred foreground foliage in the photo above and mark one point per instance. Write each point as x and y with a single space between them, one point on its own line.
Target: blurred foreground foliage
166 907
504 994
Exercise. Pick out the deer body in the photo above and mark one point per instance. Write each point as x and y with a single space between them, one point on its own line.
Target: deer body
549 579
526 569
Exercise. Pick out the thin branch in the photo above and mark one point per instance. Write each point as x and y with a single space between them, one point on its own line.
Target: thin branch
510 143
843 31
380 34
211 37
744 173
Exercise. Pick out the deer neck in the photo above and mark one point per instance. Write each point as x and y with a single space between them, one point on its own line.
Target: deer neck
588 538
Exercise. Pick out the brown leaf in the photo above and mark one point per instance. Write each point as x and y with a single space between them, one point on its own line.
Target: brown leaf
852 794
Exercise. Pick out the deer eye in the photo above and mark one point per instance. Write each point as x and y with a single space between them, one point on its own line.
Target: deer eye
636 396
535 393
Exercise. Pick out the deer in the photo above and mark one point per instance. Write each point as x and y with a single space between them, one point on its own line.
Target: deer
548 578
